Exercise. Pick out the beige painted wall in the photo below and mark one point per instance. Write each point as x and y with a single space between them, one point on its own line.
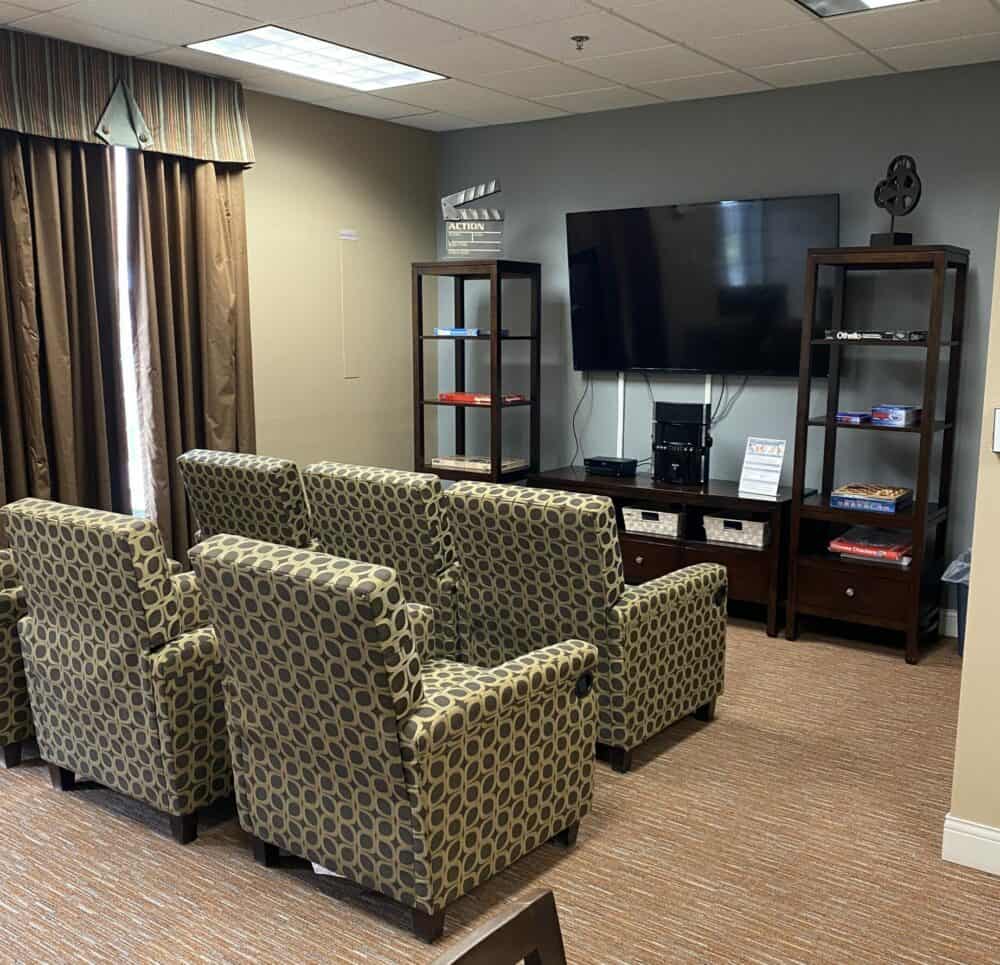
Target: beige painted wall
976 791
322 308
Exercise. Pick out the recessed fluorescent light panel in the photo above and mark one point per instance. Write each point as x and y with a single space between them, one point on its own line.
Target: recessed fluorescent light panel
834 8
295 53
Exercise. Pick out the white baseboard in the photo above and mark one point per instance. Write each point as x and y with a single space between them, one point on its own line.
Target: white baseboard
971 844
949 623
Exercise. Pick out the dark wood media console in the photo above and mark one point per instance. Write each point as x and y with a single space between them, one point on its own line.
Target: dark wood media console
755 575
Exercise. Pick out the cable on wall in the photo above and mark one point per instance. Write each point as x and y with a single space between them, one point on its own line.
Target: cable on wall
583 395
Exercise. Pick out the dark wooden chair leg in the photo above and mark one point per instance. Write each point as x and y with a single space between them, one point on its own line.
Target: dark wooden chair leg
10 754
62 779
427 928
184 827
706 712
567 837
264 853
621 760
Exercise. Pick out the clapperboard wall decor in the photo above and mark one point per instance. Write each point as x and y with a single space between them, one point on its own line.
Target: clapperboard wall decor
473 232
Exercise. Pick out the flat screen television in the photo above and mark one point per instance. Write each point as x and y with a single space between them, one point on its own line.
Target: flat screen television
708 288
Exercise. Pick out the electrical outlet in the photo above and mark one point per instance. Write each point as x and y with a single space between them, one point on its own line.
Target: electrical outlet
996 430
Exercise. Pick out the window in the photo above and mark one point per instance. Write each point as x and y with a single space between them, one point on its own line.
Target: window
138 465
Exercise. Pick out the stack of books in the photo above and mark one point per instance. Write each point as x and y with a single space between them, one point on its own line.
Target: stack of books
466 332
868 498
476 463
478 398
874 546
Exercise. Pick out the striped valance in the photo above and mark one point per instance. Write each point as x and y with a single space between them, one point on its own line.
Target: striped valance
56 89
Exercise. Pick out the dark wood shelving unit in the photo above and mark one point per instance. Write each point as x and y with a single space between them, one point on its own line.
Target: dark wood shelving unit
822 584
495 272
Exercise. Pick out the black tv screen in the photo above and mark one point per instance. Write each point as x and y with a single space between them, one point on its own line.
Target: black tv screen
710 288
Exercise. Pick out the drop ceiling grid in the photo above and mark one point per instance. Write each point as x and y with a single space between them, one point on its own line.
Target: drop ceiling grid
506 61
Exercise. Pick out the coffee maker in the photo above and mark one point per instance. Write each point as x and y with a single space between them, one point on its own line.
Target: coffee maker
682 442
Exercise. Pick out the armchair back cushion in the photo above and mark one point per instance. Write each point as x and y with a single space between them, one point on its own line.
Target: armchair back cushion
320 665
259 497
394 518
84 569
537 566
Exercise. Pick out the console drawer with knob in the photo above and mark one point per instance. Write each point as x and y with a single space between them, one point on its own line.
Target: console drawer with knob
646 559
850 592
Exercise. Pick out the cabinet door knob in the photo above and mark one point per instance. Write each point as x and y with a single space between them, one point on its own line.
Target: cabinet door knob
639 560
849 592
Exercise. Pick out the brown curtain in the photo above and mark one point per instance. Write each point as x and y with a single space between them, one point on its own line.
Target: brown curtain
62 423
190 304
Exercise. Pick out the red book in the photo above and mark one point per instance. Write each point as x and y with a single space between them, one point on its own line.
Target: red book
876 544
477 398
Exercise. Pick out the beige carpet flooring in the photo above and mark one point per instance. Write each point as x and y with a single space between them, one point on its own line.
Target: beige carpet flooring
803 825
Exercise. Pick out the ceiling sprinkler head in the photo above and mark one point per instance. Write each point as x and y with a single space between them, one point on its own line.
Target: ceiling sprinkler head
580 40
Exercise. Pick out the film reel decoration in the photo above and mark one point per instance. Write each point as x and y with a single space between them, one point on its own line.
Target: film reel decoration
898 194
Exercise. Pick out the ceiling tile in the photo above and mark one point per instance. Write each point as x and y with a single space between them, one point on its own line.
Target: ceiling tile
705 85
929 20
43 6
472 57
438 121
659 63
10 12
696 19
382 28
488 16
171 21
368 105
468 100
544 81
779 45
944 53
90 35
608 35
276 11
609 98
821 70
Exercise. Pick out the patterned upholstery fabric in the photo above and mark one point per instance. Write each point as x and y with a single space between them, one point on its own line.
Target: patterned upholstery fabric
414 780
15 709
397 519
540 566
254 496
120 692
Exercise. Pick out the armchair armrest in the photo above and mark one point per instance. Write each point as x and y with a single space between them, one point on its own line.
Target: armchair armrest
8 572
13 604
194 609
187 678
459 697
666 653
422 627
703 581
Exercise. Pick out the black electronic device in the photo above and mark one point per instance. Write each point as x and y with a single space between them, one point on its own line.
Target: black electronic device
682 441
611 466
711 288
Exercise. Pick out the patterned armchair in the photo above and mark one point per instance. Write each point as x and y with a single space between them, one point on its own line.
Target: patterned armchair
540 566
397 519
122 667
15 711
259 497
418 780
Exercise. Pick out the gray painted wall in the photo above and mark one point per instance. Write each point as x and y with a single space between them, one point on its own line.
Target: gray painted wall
828 138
